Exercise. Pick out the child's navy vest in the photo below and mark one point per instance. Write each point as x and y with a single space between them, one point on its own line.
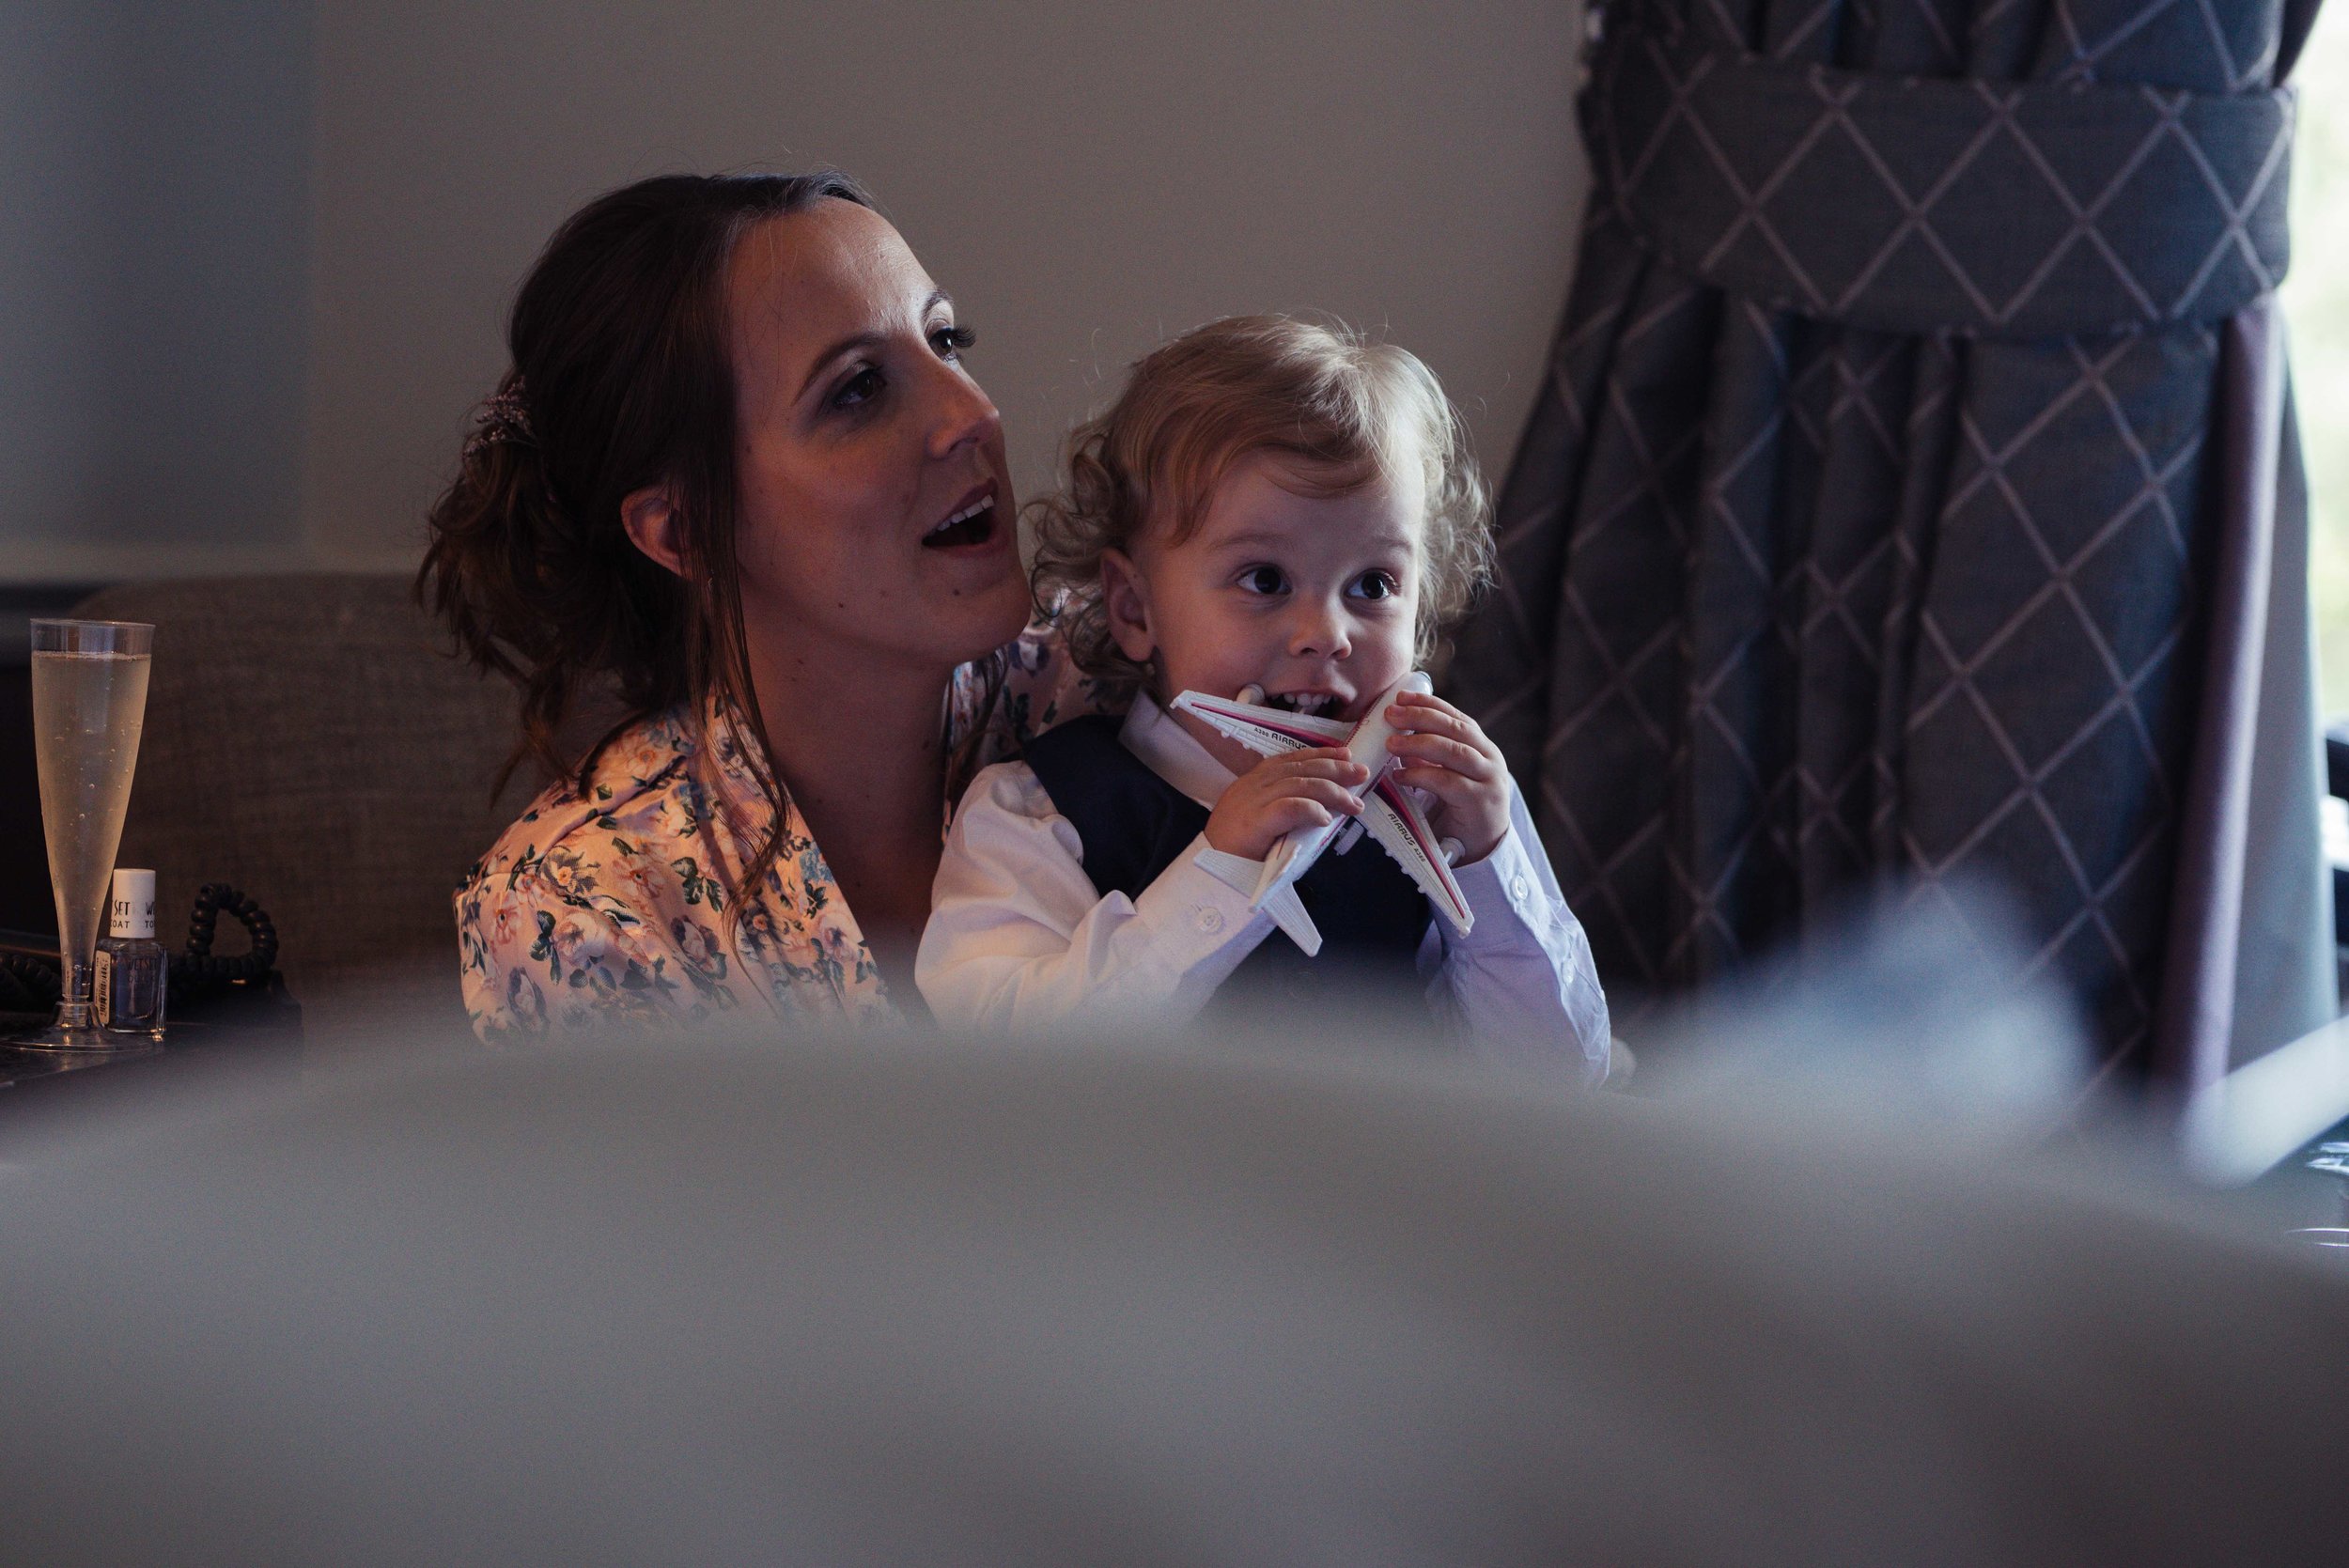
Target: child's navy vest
1133 823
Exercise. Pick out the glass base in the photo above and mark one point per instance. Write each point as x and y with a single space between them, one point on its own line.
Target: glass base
85 1040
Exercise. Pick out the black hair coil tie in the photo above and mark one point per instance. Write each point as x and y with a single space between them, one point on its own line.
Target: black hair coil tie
199 970
27 985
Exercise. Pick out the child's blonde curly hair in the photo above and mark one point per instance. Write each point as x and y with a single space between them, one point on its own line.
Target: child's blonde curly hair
1344 412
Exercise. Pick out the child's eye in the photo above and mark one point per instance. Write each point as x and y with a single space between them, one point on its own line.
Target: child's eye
1376 584
859 389
949 342
1264 580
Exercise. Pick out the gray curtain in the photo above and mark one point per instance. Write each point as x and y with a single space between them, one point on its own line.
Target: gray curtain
1913 502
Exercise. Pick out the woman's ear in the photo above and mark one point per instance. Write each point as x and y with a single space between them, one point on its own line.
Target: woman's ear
655 526
1126 598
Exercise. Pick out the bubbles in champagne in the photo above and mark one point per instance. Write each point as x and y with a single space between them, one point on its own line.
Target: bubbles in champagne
88 711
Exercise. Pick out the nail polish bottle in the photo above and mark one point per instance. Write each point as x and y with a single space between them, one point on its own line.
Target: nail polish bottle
130 967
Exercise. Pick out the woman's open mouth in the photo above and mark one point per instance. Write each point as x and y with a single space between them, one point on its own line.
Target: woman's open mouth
971 522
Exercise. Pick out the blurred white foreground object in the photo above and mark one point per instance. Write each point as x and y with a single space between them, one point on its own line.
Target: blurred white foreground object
850 1302
1907 1014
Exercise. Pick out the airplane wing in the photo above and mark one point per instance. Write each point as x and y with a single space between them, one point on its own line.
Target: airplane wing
1400 828
1268 731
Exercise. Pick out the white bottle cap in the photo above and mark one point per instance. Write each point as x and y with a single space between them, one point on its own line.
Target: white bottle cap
132 913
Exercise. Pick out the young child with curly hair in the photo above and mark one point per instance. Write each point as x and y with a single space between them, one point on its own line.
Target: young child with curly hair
1283 506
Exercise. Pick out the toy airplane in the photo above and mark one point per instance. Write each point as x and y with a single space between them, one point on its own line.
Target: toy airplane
1389 813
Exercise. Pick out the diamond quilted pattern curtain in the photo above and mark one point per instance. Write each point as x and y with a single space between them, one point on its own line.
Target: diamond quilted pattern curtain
1913 502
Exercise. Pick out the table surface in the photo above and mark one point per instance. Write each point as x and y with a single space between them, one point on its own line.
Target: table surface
19 1064
57 1100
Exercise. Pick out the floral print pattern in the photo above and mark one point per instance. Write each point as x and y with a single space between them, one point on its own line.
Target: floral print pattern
610 903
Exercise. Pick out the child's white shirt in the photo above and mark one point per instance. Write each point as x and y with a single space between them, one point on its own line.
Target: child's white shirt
1019 938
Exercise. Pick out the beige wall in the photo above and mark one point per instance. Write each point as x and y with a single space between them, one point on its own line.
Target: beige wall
1084 177
254 258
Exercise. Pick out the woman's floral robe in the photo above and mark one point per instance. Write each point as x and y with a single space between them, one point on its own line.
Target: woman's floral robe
609 905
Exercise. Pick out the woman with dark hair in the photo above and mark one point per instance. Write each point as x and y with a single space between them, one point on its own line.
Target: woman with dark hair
740 475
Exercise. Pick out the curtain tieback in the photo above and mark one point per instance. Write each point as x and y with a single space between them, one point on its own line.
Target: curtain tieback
2027 210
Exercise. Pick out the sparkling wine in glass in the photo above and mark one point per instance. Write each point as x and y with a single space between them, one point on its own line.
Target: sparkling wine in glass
90 702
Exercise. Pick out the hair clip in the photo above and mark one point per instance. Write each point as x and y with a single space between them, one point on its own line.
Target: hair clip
503 416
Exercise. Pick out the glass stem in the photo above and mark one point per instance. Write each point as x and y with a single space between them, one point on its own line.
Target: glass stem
75 1006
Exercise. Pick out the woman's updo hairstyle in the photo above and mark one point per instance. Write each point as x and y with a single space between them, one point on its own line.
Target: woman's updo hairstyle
620 381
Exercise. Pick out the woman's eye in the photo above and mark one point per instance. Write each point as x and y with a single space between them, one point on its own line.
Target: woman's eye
1263 580
1375 585
859 389
950 342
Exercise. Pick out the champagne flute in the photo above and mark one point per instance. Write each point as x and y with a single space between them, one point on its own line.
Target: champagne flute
89 702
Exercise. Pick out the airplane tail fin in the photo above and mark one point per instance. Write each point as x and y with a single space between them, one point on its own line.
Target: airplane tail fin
1289 915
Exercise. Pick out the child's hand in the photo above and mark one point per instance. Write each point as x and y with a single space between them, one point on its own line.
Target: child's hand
1448 755
1311 788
